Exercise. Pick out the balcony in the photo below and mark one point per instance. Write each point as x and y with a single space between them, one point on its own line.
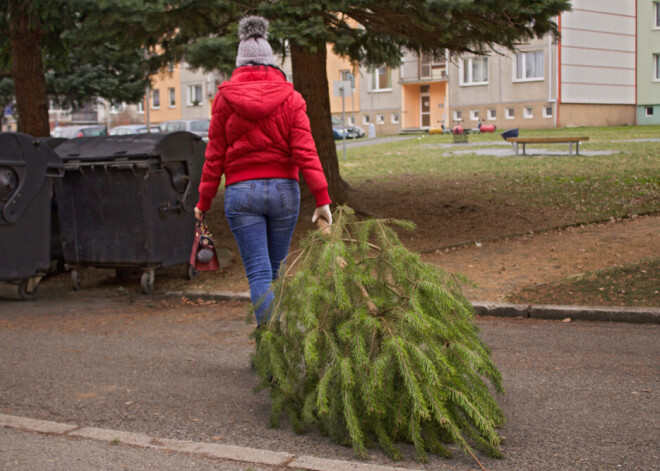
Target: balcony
424 69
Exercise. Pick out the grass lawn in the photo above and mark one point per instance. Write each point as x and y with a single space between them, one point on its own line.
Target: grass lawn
587 188
630 285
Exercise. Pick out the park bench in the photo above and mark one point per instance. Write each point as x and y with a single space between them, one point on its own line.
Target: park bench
547 140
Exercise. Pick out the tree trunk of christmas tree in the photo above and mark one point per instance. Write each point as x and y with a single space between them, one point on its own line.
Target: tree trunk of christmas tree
28 71
311 80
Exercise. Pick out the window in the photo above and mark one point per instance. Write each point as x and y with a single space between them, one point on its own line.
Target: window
649 111
474 115
170 67
656 66
529 66
395 118
140 107
458 115
492 114
528 112
381 79
547 111
347 76
366 119
656 16
194 95
431 67
351 121
117 108
156 100
380 119
172 94
474 71
509 114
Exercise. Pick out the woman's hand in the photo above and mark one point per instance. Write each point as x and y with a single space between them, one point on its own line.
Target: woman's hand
199 214
323 212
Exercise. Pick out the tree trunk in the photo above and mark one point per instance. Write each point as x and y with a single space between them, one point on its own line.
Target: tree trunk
311 80
28 71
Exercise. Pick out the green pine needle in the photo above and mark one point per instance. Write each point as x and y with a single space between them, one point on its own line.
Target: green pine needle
368 343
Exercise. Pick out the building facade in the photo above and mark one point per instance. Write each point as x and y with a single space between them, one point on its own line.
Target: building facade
588 78
648 62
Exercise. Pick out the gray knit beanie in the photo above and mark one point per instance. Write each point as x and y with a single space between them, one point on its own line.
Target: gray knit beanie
254 47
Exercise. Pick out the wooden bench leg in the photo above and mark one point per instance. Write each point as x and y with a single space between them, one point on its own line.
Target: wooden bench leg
524 148
577 148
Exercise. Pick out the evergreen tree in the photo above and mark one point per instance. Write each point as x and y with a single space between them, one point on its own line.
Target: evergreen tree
50 52
370 344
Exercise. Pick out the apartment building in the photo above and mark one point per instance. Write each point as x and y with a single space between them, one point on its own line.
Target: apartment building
587 78
648 62
424 90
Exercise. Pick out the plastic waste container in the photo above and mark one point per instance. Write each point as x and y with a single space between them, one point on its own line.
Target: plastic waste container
126 202
27 169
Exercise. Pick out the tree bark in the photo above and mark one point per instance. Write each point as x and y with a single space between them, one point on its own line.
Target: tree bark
28 71
311 80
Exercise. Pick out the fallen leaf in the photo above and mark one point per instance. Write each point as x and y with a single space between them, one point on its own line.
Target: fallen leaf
568 319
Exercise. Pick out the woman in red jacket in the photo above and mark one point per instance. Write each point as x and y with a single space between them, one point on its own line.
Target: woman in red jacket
260 139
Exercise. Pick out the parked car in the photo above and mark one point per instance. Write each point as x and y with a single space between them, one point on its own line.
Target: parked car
71 132
352 132
195 126
125 129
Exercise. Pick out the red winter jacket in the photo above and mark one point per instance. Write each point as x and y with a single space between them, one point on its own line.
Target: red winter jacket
260 129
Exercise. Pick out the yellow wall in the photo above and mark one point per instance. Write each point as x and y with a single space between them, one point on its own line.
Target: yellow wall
410 107
162 82
334 66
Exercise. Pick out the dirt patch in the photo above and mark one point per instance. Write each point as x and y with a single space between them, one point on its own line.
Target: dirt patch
502 248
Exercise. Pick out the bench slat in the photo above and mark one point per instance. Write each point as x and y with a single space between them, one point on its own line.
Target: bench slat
528 140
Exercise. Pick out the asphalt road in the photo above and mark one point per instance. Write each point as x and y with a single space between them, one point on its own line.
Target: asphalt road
580 395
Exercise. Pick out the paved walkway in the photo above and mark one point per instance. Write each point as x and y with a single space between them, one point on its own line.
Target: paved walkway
166 381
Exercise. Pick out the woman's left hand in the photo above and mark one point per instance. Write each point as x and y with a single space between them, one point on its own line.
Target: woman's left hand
199 214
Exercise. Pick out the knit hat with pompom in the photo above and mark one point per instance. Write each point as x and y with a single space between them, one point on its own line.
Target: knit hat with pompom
254 47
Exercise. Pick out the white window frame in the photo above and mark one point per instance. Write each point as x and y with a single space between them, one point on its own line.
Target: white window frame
366 119
469 62
474 115
375 80
528 112
656 67
140 107
647 109
458 115
524 56
509 113
394 117
154 94
492 114
545 111
380 119
350 120
192 96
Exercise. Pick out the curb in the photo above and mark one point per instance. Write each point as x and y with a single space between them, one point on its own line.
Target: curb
633 315
282 460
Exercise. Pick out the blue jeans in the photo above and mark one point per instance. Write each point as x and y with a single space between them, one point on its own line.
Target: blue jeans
262 215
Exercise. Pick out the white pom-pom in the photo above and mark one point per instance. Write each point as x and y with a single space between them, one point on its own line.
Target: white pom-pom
253 27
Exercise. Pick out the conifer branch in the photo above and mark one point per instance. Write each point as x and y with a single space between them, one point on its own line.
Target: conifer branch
377 347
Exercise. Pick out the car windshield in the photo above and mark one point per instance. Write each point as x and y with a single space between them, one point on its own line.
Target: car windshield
200 126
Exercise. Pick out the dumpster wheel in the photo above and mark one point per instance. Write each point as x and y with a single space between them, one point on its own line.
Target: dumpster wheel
147 281
75 279
27 289
193 272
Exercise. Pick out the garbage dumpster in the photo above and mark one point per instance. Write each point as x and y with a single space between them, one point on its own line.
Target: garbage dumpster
127 202
27 169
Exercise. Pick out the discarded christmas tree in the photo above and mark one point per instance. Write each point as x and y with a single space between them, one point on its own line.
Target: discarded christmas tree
369 343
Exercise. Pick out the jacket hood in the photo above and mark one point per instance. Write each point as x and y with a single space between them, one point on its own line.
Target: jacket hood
255 99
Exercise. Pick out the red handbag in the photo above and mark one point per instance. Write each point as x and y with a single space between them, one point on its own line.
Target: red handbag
203 256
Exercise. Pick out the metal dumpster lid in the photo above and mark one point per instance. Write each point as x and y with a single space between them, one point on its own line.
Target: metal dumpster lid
174 146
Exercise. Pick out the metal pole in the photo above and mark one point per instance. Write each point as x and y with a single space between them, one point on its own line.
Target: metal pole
146 108
343 120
